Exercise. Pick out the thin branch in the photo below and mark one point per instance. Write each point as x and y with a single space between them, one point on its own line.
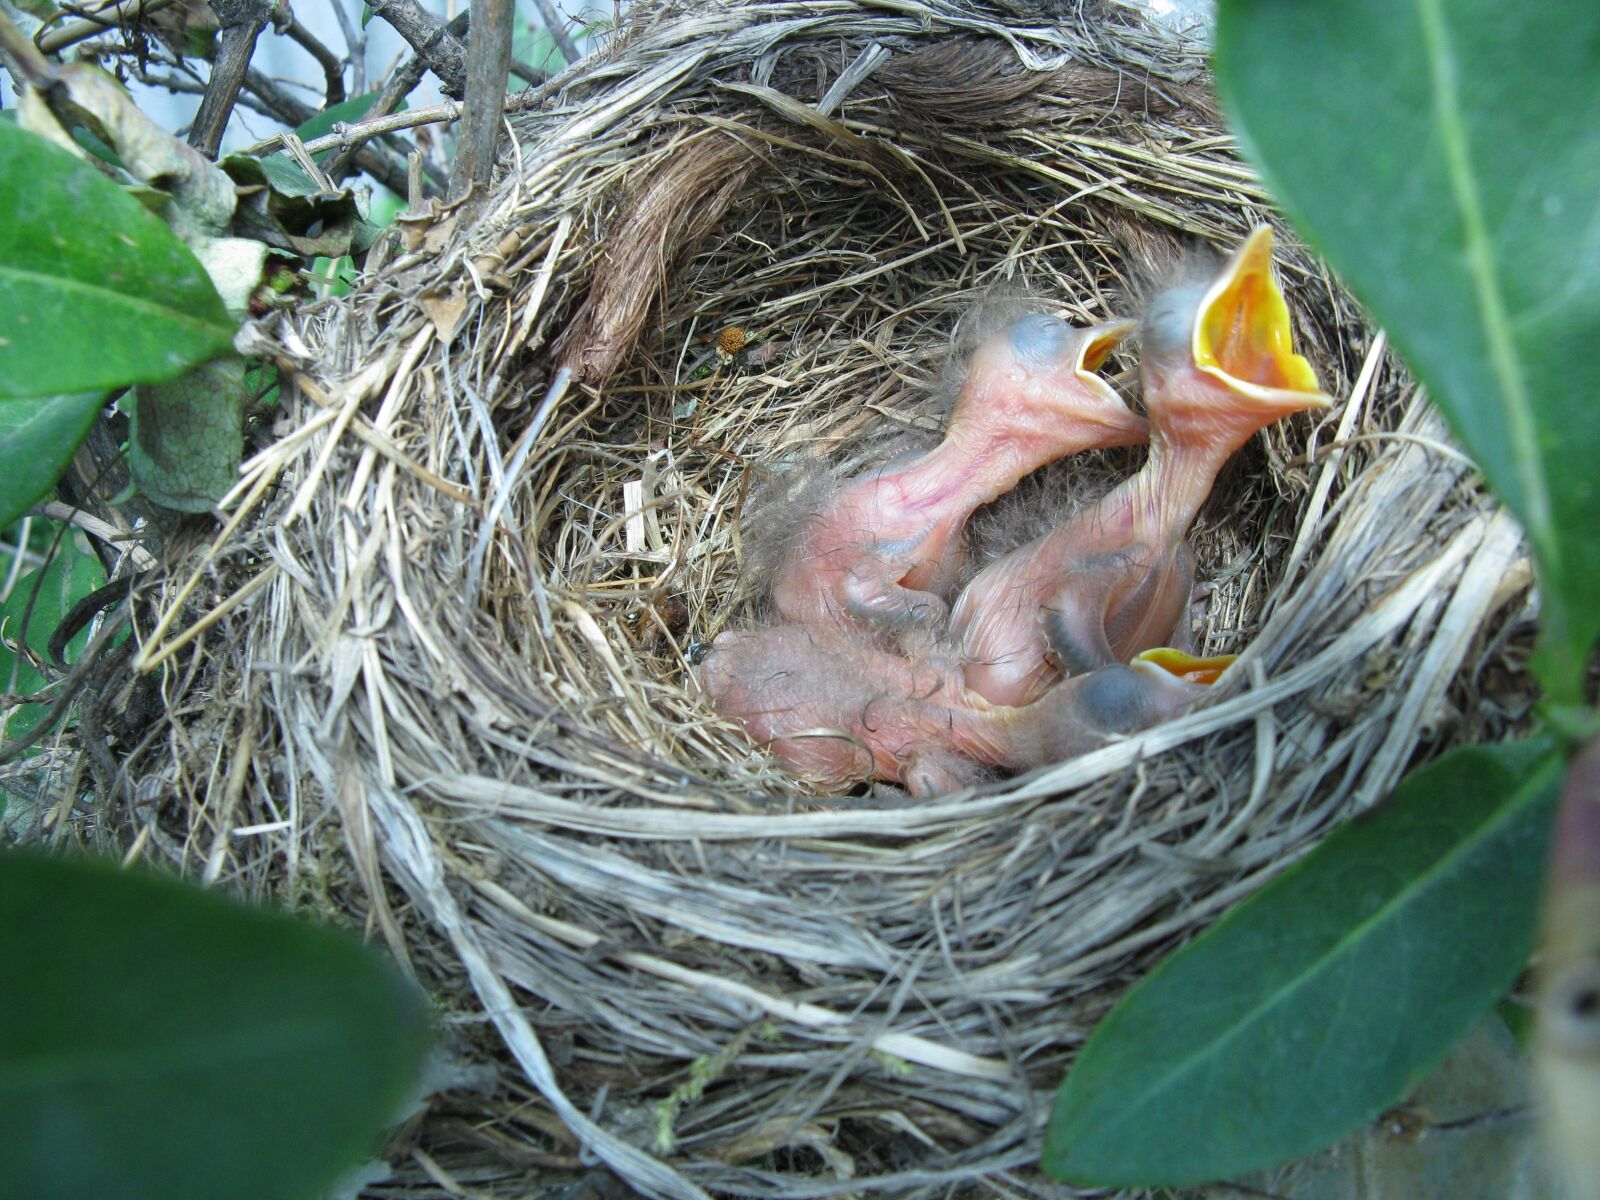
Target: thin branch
21 56
283 21
488 63
396 88
431 39
557 25
52 39
386 168
241 22
190 87
345 134
355 41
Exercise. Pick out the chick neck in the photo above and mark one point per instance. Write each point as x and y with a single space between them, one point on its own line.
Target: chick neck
1196 425
969 468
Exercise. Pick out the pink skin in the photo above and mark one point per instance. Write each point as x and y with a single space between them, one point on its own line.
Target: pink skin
837 710
875 558
1115 579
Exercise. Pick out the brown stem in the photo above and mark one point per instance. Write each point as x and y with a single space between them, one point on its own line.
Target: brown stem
557 26
51 40
443 52
283 20
400 84
241 22
21 56
488 63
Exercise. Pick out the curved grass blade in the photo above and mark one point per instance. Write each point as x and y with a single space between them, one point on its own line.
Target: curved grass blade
1313 1006
162 1043
94 291
1444 155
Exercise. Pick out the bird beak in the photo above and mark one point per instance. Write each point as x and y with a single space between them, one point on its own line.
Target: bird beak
1242 336
1187 667
1094 348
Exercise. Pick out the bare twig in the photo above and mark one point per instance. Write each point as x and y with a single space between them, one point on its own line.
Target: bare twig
53 39
241 22
431 39
346 134
386 168
355 41
488 62
191 87
283 21
399 85
21 56
414 182
557 25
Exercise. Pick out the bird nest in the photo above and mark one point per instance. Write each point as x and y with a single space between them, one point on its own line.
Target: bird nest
434 675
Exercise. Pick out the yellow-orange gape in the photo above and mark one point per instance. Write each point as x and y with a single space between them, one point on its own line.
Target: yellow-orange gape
1061 644
1114 580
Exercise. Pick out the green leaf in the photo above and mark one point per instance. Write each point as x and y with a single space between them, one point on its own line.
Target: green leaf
334 276
94 291
276 171
384 207
70 575
1444 155
1313 1006
37 440
162 1042
186 437
95 146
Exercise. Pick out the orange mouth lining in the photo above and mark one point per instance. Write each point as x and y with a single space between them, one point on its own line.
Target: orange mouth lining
1103 340
1243 331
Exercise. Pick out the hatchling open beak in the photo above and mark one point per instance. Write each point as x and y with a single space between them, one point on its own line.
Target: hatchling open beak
1242 337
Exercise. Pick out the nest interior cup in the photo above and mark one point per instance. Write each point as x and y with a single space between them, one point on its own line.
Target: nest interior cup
539 455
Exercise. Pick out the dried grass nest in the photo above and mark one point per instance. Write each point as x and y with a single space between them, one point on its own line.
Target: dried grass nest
432 675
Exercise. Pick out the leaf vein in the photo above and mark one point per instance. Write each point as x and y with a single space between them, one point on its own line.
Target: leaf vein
1484 271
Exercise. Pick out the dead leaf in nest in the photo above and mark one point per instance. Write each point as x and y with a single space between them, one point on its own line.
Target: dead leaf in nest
445 310
428 231
202 195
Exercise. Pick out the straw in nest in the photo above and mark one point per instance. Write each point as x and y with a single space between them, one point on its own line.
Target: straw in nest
436 661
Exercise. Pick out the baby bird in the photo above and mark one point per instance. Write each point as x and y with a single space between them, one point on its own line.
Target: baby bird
889 541
1216 366
838 710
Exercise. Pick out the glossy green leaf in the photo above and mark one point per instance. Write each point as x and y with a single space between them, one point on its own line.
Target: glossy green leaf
37 439
186 437
163 1043
94 291
277 171
1445 156
30 615
1313 1006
